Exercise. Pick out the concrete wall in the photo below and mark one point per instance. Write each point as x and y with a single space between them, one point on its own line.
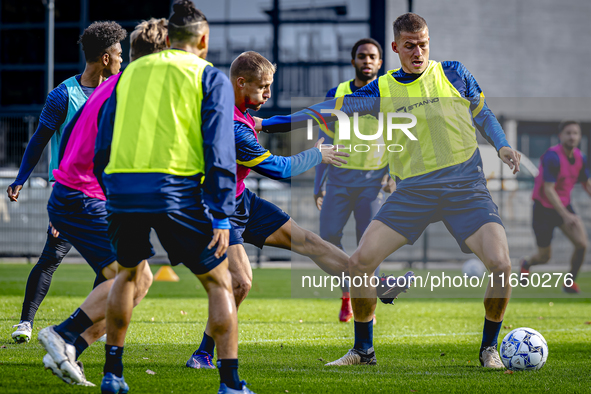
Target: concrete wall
514 48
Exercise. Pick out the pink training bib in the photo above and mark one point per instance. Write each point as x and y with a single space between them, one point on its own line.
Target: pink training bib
243 171
76 167
566 180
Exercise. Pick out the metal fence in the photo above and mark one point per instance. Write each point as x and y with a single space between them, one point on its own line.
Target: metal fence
23 225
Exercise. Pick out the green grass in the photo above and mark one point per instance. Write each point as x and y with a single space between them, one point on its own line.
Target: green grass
422 345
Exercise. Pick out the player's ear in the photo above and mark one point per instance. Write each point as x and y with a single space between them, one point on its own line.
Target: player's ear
353 62
203 41
240 82
105 59
394 47
380 63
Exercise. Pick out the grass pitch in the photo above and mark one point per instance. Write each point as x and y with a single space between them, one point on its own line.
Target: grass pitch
422 345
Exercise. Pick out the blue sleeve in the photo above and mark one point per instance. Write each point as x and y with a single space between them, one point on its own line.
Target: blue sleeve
104 137
331 93
551 166
52 116
33 153
250 153
349 105
55 109
584 175
67 132
484 119
217 110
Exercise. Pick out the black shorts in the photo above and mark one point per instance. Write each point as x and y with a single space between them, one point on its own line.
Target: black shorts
254 220
463 207
544 221
82 220
184 234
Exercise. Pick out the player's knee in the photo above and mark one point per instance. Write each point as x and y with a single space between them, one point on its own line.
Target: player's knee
359 262
146 279
241 288
499 265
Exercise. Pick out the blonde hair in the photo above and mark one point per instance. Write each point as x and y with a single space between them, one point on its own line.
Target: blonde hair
251 66
149 37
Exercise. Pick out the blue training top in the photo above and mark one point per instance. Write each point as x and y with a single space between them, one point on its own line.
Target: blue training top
485 121
551 165
166 192
51 119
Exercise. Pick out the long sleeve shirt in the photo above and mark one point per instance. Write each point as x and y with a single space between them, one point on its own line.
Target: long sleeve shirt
159 192
484 120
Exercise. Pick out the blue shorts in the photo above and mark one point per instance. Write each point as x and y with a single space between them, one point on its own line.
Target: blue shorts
254 220
544 221
339 202
82 220
463 207
184 234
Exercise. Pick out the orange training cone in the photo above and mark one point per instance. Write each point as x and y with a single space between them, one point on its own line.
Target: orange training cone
166 274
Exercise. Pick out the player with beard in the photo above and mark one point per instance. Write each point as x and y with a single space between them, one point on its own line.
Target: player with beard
367 171
561 167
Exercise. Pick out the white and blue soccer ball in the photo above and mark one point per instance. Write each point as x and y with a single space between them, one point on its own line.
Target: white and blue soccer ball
524 349
473 267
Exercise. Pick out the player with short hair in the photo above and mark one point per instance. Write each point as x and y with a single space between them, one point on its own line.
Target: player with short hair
355 187
77 210
439 175
168 166
561 167
257 221
102 51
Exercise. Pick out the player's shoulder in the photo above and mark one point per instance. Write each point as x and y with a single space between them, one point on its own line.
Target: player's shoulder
332 92
453 65
456 67
213 73
242 132
551 158
214 77
59 93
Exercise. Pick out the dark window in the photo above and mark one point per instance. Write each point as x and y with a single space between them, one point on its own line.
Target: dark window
22 87
21 11
66 45
23 46
135 10
67 10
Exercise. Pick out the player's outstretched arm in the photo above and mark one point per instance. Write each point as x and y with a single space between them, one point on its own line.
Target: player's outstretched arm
52 116
31 157
331 154
363 101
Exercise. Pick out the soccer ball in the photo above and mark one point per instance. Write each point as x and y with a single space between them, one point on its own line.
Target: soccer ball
524 349
473 267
